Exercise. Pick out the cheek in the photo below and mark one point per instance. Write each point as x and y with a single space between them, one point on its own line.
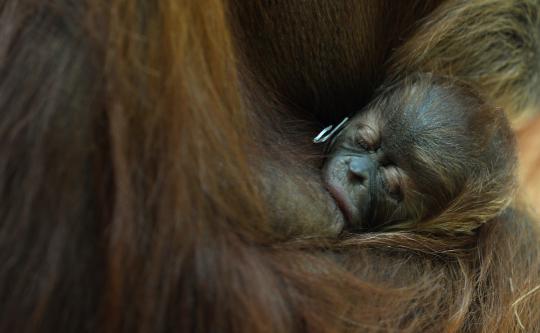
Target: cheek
333 170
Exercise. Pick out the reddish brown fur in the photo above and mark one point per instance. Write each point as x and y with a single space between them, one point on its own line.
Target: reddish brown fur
131 197
502 59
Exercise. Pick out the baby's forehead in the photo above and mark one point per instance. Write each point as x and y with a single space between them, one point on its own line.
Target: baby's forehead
415 109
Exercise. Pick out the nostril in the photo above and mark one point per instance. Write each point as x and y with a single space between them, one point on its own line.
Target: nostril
358 169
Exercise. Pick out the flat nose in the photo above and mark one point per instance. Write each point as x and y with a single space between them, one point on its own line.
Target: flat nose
359 167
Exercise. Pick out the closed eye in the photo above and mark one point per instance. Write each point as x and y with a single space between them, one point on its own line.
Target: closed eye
393 181
359 141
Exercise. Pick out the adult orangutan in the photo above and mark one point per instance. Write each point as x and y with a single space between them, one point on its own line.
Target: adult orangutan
157 172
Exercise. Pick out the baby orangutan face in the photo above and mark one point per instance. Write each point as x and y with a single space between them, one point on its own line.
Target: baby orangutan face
365 176
411 152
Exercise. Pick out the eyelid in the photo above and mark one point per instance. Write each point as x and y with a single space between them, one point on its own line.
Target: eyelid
393 181
368 138
360 141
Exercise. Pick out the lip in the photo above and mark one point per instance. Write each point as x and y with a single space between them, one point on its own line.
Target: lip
342 201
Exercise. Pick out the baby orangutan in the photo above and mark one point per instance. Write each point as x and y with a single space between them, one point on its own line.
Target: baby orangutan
428 154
